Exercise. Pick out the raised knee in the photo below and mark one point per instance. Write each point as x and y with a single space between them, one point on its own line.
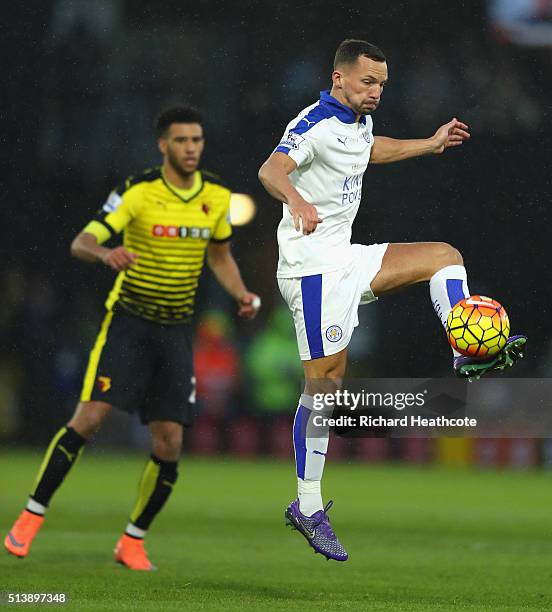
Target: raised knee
449 256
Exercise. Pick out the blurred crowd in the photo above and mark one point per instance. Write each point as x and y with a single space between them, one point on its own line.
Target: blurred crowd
107 68
89 80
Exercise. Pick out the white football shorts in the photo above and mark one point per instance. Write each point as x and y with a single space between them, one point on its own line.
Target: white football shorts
325 306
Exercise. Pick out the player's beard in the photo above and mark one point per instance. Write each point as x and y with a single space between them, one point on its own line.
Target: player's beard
358 109
177 167
365 111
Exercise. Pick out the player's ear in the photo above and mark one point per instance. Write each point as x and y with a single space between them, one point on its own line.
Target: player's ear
162 144
337 77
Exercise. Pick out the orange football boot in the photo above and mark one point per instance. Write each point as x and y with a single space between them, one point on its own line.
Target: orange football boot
19 539
131 553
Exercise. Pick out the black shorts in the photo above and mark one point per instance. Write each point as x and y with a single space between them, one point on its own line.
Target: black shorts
141 366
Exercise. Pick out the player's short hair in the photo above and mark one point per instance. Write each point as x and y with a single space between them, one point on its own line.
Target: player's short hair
176 114
351 49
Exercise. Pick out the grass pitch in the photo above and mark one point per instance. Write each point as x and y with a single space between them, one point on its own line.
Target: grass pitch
418 539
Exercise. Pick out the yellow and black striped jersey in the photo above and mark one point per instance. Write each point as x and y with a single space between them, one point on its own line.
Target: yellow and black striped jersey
169 229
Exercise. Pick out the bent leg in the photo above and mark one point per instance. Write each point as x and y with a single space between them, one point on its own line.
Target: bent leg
436 262
410 263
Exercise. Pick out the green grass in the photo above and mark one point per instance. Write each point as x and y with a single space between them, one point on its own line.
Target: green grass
419 539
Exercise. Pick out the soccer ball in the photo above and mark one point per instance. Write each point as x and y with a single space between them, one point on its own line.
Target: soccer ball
478 326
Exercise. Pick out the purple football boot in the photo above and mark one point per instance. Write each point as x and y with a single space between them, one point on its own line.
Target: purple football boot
471 367
317 531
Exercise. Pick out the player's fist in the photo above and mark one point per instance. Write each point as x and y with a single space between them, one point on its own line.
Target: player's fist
305 216
249 305
119 258
451 134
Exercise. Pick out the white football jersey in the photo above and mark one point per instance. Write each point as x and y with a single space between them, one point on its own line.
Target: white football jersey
331 150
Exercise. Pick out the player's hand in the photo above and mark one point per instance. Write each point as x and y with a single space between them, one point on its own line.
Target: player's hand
451 134
249 305
305 216
119 258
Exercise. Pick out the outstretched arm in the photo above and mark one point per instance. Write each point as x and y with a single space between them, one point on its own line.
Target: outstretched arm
224 267
273 174
386 150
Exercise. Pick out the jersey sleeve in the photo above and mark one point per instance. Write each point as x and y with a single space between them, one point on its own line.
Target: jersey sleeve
223 228
120 208
297 143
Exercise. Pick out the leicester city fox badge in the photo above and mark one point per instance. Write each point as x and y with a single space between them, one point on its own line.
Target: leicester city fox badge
334 333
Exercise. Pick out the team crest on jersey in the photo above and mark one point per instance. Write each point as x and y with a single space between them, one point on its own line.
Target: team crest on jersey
292 140
113 202
334 333
367 136
205 208
103 383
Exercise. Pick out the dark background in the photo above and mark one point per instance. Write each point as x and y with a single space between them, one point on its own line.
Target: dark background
83 81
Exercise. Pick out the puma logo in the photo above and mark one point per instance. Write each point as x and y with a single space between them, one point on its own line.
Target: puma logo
70 456
309 123
14 541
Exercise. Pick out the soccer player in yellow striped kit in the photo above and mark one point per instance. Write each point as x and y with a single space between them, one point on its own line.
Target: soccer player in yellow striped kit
171 217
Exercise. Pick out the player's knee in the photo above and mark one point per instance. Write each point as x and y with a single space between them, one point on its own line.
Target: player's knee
456 256
326 382
334 380
167 443
325 375
89 417
447 255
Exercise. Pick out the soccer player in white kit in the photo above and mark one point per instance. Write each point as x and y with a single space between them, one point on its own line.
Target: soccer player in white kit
317 171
